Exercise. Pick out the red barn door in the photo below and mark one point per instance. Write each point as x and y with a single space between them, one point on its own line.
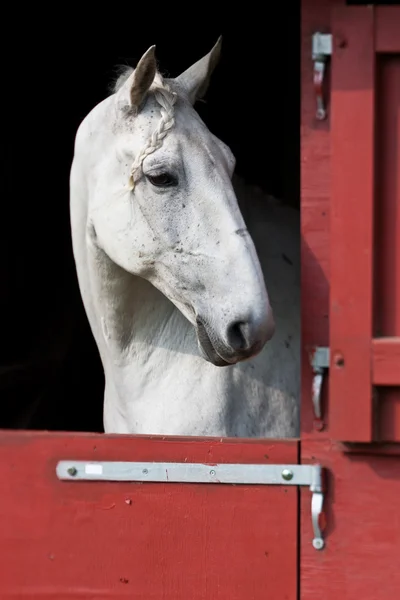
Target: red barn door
78 539
365 225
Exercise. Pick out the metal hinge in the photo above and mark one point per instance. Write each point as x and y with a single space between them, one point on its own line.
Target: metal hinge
319 359
237 474
321 50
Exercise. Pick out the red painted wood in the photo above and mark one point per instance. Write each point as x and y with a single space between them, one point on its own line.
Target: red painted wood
379 312
386 361
361 557
387 230
315 215
387 20
363 526
122 540
352 208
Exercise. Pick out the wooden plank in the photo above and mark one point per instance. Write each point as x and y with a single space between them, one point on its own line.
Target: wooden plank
315 214
361 556
352 144
386 361
86 540
387 29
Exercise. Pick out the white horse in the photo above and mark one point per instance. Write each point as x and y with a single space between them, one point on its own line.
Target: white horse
169 273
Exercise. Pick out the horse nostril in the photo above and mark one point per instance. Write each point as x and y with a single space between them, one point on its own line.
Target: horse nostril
237 336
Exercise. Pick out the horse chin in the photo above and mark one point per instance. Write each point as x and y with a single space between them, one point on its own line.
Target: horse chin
211 356
208 351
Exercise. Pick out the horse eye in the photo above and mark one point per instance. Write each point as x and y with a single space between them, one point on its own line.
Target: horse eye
162 180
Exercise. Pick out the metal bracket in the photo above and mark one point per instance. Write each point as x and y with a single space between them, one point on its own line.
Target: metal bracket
237 474
319 359
321 50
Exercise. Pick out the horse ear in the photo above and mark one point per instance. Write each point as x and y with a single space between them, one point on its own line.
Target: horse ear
195 80
142 78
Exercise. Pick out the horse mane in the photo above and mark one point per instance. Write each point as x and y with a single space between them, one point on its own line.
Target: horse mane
123 72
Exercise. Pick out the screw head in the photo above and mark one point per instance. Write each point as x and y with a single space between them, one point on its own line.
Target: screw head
72 471
145 471
212 472
287 474
318 543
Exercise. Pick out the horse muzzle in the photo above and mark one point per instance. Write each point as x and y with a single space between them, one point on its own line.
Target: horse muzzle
241 340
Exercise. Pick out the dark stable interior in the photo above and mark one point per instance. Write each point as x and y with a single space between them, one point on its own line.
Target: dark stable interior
50 373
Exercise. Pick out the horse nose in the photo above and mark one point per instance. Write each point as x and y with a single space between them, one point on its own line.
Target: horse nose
239 336
247 335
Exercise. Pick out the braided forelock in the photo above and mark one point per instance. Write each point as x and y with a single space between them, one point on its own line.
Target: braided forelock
166 99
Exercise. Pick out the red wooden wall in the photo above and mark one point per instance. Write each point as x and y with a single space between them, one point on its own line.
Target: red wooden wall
350 295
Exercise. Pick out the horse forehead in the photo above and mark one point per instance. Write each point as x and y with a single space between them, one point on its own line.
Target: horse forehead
200 140
201 147
189 139
194 142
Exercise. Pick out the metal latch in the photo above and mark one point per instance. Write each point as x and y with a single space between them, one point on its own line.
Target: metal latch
321 50
319 359
237 474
